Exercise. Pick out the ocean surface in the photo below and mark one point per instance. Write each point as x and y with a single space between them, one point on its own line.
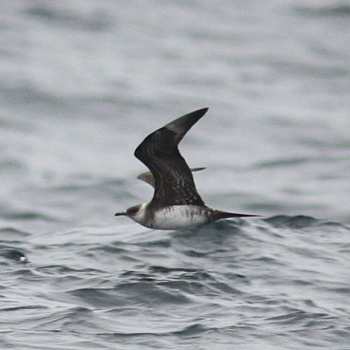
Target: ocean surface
83 82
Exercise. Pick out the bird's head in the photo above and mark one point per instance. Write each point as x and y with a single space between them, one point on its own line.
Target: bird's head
132 212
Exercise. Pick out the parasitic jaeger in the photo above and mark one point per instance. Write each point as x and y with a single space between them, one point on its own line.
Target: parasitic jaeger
176 203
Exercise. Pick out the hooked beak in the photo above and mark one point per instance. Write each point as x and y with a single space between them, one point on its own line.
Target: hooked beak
120 214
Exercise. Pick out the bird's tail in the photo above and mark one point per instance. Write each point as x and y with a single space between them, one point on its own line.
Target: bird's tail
219 214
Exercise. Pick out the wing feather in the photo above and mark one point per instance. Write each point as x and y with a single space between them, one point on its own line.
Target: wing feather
173 180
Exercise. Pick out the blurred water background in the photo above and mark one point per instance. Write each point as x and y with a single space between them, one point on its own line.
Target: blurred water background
83 82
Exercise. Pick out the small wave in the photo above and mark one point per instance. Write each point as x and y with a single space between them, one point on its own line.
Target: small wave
181 282
95 21
301 221
191 330
282 162
10 234
28 215
331 11
14 255
10 164
295 316
97 297
214 230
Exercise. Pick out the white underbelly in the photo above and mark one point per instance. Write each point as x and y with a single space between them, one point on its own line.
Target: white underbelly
179 216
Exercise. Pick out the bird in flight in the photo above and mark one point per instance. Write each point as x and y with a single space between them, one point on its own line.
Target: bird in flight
176 203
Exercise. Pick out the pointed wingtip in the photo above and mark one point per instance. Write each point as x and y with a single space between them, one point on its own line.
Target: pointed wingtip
200 112
203 110
181 125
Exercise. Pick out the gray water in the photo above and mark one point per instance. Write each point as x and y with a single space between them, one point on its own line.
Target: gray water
83 82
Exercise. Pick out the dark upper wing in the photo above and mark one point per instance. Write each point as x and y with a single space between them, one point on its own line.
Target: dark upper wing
159 151
149 178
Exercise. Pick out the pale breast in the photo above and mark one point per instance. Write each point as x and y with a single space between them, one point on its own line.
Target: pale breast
180 216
